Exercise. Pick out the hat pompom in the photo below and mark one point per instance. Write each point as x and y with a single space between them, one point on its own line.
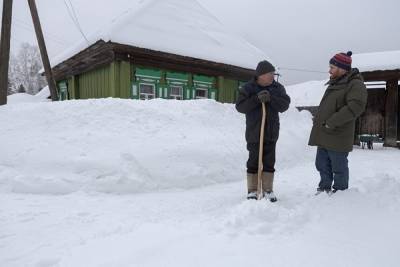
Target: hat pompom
349 53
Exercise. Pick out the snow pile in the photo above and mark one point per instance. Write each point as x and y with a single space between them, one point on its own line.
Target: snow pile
21 98
44 93
126 146
306 94
18 98
189 159
178 27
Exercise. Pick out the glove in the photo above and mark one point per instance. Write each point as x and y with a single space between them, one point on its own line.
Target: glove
264 96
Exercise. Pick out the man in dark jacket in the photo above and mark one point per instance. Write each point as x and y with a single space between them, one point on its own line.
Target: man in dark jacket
334 123
262 89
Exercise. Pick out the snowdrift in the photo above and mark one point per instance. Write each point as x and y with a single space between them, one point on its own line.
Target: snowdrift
128 146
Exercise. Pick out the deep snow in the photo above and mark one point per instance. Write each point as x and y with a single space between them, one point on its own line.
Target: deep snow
115 182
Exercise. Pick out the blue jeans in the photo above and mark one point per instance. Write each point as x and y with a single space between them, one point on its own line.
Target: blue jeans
332 167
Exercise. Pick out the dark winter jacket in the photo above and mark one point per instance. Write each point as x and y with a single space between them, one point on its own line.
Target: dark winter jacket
249 104
344 100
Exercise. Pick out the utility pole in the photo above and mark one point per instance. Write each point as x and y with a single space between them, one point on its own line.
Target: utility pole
43 50
5 49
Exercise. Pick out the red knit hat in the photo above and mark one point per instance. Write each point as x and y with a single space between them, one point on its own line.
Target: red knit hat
342 60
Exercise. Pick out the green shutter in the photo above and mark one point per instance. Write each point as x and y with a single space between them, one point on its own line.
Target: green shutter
177 77
143 73
63 90
203 79
212 94
135 90
187 94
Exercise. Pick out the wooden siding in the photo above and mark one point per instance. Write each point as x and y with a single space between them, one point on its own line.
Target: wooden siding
97 83
227 90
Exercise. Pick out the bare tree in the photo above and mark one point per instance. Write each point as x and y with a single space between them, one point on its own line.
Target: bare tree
10 88
24 69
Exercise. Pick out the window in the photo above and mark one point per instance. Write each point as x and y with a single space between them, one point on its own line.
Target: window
147 91
176 92
201 93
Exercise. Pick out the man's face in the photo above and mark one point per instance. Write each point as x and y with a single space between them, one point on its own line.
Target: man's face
266 79
336 72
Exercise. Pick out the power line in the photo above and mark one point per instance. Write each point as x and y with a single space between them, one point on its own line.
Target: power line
72 14
302 70
29 27
31 30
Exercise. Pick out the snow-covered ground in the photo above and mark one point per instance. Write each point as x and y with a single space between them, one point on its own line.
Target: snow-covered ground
162 183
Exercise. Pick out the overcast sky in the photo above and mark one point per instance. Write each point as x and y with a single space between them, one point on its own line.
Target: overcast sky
295 34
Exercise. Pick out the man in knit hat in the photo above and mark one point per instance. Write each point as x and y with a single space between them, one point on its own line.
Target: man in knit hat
334 123
262 89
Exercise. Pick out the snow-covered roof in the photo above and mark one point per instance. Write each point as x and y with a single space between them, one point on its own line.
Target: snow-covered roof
178 27
389 60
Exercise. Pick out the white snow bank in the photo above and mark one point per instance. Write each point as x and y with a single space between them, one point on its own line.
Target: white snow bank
127 146
44 93
18 98
306 94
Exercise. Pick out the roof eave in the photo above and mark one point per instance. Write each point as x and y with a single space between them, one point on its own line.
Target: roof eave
102 53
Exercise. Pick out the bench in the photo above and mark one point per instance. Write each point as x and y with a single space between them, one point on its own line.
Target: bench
369 140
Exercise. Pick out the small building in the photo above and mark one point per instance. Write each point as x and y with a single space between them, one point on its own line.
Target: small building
381 72
160 49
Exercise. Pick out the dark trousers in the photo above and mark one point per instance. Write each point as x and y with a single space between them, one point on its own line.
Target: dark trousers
268 157
332 167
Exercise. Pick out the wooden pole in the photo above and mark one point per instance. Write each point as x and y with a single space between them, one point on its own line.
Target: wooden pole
43 50
5 49
260 154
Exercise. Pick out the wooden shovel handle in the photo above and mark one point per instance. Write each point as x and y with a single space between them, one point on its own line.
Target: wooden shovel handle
260 153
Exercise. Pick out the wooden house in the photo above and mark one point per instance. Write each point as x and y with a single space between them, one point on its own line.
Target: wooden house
160 49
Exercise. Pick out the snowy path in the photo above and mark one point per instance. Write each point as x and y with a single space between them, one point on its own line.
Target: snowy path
214 226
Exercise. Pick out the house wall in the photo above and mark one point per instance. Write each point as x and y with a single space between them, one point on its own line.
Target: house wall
227 90
97 83
118 80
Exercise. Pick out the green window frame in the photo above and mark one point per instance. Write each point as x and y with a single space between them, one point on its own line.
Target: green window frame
147 91
177 85
204 87
176 92
144 79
